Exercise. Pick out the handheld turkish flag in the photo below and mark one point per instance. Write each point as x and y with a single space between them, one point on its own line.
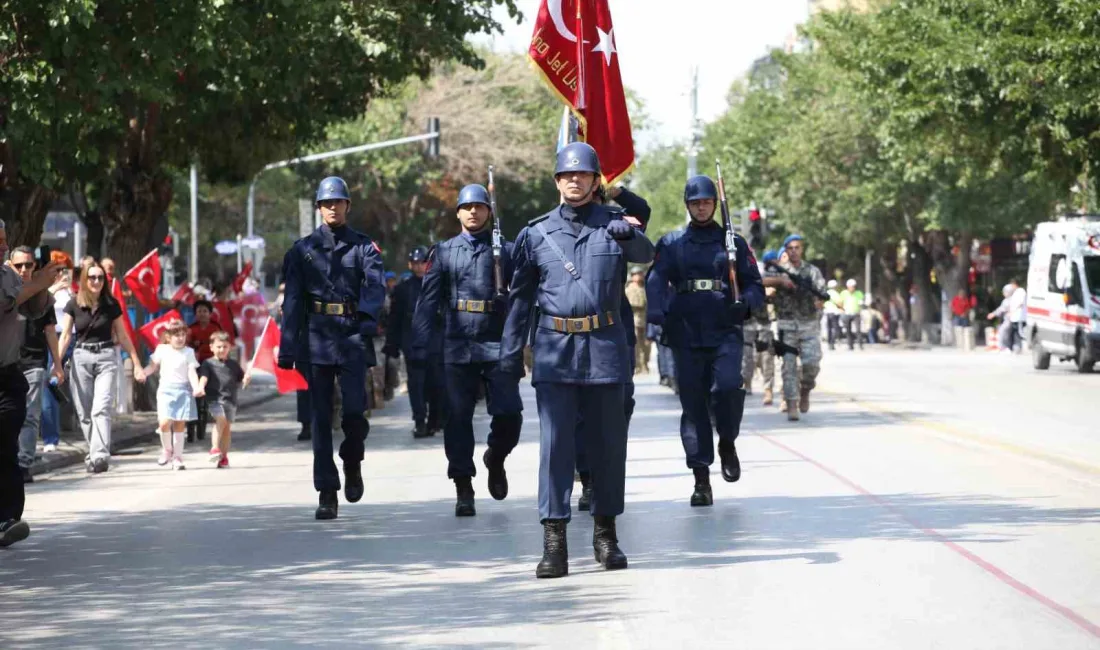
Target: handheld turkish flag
573 47
150 332
238 282
185 294
286 381
225 319
144 281
116 293
251 311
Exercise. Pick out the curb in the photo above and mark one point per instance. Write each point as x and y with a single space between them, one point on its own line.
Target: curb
134 429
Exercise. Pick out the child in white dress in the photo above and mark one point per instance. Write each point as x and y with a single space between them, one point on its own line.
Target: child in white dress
179 386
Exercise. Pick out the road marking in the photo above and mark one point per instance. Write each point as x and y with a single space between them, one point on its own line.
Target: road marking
955 432
998 573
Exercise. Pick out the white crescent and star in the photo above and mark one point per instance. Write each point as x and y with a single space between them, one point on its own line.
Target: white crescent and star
554 7
606 44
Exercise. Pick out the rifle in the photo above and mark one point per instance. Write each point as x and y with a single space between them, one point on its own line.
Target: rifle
498 239
800 282
731 238
779 348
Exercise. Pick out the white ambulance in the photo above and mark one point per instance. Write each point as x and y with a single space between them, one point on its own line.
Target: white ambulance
1063 292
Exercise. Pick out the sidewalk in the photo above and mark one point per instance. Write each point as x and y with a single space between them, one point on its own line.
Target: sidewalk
126 431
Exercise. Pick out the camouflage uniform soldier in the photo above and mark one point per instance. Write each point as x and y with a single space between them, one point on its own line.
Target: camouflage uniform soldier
758 343
798 315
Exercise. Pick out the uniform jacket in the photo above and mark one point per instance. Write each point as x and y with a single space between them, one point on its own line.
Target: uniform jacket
399 321
793 306
461 268
637 207
597 357
334 265
700 318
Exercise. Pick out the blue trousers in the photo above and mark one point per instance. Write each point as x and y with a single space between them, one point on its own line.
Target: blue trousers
710 381
604 434
503 402
304 412
666 366
51 414
628 404
426 391
353 392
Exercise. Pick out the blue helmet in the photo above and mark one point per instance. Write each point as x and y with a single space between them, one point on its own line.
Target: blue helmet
405 275
577 157
700 187
418 254
770 256
791 238
390 275
473 194
332 187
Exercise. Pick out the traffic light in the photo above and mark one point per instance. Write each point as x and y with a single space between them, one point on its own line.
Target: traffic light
757 226
433 144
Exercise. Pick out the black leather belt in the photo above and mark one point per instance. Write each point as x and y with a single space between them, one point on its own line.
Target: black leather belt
95 347
333 308
577 325
474 306
691 286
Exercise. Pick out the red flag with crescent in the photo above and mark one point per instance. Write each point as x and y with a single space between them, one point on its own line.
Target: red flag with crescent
150 332
184 294
250 311
573 47
144 281
238 282
116 293
225 319
286 381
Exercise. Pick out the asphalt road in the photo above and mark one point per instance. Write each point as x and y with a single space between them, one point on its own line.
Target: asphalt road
928 500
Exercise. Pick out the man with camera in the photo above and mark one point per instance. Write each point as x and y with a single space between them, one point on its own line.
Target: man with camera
18 298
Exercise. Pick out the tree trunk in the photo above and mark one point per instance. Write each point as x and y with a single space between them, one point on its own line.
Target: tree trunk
924 312
135 203
952 270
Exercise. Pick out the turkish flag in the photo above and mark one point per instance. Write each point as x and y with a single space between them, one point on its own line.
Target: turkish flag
150 332
574 48
286 381
184 294
238 282
224 318
251 311
116 293
144 281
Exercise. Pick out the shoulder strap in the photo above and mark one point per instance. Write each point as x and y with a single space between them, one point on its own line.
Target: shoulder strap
569 266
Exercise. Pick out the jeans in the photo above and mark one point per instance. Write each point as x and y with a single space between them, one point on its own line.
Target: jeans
28 435
93 385
51 413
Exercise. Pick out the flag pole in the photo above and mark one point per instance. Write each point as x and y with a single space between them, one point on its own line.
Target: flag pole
257 350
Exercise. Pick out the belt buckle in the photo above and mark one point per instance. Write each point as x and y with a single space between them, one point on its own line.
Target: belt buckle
333 309
475 306
577 325
704 285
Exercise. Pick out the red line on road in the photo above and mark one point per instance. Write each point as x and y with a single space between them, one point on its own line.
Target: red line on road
992 569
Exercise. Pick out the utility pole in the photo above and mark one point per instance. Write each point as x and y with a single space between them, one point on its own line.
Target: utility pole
696 133
193 267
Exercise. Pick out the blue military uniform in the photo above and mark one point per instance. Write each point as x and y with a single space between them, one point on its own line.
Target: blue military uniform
333 296
427 396
460 283
702 325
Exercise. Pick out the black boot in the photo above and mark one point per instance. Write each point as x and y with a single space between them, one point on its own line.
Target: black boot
585 501
353 482
498 478
606 544
555 550
464 489
191 426
702 496
305 433
329 505
420 430
727 450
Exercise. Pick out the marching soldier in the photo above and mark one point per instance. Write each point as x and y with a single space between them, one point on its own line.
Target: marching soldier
758 344
572 261
427 397
798 321
703 327
334 293
460 281
635 295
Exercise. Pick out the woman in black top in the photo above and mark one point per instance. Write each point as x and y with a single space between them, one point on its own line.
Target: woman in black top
94 318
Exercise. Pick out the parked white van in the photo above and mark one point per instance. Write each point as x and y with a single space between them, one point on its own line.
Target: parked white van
1063 292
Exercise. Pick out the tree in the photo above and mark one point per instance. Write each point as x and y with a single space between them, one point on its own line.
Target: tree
106 98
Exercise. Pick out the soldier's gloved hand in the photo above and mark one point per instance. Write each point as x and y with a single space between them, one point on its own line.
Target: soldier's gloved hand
511 367
738 311
286 363
500 303
391 350
368 329
620 229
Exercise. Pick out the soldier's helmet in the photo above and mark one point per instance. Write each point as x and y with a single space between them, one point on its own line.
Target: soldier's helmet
418 254
473 194
332 187
577 157
700 187
770 256
791 239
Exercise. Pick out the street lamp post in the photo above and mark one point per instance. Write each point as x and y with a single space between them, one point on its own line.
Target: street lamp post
330 154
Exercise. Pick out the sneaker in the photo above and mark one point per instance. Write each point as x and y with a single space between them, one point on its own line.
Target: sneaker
177 463
223 463
12 531
215 456
163 459
50 448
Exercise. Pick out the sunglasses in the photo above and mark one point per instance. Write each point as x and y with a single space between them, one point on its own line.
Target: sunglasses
24 265
96 278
